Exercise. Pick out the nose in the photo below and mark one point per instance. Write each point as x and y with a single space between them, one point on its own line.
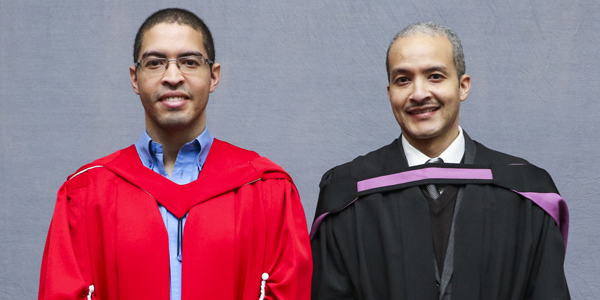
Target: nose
173 75
420 91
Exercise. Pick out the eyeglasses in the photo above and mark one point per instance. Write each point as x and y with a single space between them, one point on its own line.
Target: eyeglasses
155 66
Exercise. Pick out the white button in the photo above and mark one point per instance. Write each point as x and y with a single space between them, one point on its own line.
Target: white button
265 276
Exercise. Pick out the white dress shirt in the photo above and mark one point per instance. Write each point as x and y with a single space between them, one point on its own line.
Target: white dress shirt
453 154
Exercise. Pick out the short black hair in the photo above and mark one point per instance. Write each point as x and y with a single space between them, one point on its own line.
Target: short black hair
181 17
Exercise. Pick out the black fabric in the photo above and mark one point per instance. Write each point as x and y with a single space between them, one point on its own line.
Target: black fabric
448 196
441 211
380 247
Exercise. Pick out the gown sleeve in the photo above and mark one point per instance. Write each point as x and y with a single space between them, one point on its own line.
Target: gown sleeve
547 280
288 256
331 279
65 272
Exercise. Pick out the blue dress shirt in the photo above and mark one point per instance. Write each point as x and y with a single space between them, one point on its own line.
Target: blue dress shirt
189 162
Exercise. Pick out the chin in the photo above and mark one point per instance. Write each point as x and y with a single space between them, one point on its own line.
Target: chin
174 123
422 133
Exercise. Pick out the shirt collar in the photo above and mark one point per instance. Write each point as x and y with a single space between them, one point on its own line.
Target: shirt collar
453 154
144 146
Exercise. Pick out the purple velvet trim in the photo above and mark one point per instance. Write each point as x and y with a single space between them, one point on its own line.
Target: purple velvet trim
317 222
552 203
555 206
421 174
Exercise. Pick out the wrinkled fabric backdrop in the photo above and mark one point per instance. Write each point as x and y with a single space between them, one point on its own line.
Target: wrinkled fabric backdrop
303 83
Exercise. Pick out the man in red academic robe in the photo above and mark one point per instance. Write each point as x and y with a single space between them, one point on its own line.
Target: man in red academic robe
178 215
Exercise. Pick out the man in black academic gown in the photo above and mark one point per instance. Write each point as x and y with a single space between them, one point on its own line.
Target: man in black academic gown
398 223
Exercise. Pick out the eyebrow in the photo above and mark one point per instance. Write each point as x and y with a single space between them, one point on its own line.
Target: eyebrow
162 55
431 69
190 53
436 68
152 53
399 70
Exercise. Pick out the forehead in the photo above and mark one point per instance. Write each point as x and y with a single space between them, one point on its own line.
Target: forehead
421 49
172 38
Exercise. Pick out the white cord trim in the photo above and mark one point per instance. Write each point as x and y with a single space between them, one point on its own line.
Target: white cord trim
84 170
263 284
251 182
91 288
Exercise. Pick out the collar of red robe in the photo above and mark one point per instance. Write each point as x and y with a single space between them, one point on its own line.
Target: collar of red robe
227 168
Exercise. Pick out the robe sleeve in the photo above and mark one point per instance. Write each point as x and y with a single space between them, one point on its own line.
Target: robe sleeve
548 280
65 272
288 256
331 278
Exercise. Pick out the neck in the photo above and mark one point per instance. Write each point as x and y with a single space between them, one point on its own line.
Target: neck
435 146
172 141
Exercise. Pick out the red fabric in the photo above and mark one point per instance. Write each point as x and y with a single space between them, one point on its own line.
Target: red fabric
244 219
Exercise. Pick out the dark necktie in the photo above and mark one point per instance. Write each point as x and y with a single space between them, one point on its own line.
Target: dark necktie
431 188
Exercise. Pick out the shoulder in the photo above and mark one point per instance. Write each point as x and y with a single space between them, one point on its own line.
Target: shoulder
338 185
486 155
233 152
365 166
95 164
515 172
224 155
80 178
229 155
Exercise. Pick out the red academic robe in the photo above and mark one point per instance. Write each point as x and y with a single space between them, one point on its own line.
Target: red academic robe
244 219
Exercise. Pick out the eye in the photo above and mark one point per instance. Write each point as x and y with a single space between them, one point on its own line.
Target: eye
189 62
436 76
401 80
153 63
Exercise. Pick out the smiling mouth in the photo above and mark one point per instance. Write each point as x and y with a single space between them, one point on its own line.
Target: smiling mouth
422 111
169 99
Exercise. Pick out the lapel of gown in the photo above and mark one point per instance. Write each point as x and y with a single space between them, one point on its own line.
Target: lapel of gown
417 245
469 237
415 235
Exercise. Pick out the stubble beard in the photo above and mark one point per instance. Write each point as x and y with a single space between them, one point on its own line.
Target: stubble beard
174 121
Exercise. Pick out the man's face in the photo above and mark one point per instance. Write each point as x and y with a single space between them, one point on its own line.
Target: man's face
425 91
174 101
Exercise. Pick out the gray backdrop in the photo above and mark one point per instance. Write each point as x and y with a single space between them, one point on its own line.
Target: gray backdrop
303 83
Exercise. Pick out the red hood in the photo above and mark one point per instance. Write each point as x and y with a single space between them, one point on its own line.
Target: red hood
231 167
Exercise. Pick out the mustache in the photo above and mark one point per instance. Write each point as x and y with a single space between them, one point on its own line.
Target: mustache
423 103
166 90
169 88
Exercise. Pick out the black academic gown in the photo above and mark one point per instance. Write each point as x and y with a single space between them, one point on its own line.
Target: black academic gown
380 246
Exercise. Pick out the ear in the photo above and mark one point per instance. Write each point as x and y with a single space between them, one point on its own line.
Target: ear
134 81
388 90
464 85
215 76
